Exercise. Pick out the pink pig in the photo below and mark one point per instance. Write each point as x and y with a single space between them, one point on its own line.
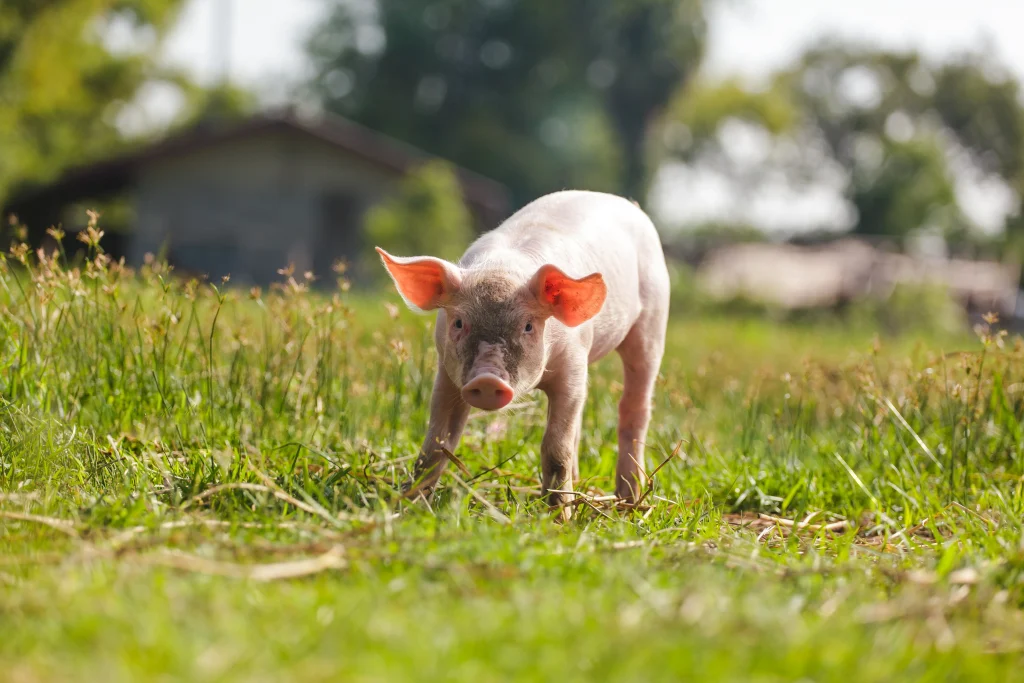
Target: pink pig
565 280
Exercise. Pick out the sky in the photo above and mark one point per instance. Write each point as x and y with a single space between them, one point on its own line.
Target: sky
748 38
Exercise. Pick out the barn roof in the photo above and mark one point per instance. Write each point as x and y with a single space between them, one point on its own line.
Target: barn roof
114 174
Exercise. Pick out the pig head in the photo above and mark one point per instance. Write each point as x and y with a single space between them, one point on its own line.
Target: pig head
491 332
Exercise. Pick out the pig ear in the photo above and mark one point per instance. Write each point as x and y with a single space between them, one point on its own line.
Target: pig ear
572 302
424 282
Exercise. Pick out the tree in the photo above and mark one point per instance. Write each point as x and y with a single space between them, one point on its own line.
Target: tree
692 129
62 86
981 103
910 188
649 49
899 129
897 123
540 95
427 217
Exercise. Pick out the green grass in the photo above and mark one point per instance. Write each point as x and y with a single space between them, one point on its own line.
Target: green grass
170 455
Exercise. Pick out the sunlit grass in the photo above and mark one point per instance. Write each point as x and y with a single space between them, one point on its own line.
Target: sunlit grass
202 483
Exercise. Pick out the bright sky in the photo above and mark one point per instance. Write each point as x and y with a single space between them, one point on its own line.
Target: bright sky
748 37
266 39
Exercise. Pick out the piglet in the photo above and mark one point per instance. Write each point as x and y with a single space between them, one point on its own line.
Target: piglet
561 283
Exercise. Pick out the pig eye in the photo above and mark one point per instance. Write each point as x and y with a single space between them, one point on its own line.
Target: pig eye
458 324
529 327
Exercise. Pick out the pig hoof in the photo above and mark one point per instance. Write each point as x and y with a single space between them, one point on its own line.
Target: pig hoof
560 505
625 497
628 492
561 514
414 490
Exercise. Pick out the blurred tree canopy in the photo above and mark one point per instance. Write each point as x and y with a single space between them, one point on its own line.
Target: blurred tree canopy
62 85
907 186
540 95
901 129
427 217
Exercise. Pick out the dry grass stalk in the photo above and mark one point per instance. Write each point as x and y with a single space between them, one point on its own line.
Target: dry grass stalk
332 559
841 525
458 463
495 513
62 525
129 534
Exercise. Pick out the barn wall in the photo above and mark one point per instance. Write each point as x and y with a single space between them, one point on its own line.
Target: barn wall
252 206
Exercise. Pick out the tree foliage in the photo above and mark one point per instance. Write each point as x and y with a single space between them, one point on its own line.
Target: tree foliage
900 128
540 95
909 187
62 85
427 217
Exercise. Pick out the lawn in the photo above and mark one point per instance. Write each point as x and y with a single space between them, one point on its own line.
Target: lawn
199 483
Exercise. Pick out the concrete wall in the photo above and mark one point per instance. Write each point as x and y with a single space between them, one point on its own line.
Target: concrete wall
253 206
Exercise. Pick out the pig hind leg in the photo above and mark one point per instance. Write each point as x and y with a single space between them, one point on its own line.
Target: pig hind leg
641 352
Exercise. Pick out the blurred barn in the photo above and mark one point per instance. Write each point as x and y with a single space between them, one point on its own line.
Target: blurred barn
245 198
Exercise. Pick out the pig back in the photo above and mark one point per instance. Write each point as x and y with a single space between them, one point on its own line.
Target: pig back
581 233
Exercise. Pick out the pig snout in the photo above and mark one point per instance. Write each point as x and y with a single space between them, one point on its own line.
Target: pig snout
487 392
487 386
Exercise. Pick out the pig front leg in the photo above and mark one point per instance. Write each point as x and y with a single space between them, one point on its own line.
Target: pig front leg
448 414
559 450
641 352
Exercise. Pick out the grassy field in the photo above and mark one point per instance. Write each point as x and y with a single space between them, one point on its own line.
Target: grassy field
203 485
